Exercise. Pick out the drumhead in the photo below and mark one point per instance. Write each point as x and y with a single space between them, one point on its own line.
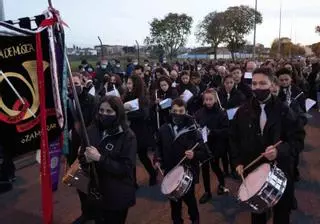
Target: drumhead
172 180
254 182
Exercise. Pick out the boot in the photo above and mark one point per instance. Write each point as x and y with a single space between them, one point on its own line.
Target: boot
205 198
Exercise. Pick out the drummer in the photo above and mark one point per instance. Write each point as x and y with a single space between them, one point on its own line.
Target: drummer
258 125
175 139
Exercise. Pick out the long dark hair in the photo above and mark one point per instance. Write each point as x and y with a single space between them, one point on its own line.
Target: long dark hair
138 90
117 105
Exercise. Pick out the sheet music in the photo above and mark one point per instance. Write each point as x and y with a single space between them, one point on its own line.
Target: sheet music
186 95
204 133
248 75
134 104
231 112
309 104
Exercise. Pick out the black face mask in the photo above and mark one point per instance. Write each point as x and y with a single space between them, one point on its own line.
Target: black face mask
261 94
107 122
178 119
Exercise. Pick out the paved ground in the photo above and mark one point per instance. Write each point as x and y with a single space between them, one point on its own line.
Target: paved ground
23 204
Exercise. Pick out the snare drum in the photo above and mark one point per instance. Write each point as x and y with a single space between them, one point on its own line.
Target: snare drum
263 188
177 183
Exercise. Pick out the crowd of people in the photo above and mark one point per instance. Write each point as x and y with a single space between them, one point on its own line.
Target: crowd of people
162 108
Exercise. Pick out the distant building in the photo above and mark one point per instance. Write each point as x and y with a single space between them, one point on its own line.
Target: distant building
110 49
77 51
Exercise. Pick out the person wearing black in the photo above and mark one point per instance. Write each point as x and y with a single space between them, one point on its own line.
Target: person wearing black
138 123
212 117
258 124
165 91
113 151
88 107
5 183
185 84
175 139
211 79
114 82
229 96
240 83
294 97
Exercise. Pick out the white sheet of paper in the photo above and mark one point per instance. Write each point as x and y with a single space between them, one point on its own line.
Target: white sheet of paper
204 132
92 91
248 75
309 104
114 92
134 104
186 95
166 103
231 112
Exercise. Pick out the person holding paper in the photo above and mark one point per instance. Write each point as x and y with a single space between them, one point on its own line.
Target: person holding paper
164 91
185 84
114 84
138 123
230 97
239 82
174 141
259 124
212 117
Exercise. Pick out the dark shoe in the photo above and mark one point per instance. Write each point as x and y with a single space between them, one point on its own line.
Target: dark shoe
222 190
205 198
153 180
5 186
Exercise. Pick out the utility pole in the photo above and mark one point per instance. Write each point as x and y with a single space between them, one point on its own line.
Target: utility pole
255 29
2 11
280 21
138 51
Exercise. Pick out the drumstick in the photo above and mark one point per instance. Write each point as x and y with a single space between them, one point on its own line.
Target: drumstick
159 168
195 146
259 157
244 184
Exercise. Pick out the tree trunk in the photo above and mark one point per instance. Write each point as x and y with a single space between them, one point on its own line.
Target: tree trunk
232 55
215 52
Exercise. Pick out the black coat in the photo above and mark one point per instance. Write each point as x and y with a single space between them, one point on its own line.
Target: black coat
192 104
164 114
211 81
245 89
116 168
247 142
295 97
139 123
171 149
217 122
88 104
236 99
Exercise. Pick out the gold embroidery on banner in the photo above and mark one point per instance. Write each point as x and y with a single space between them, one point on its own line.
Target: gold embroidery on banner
31 67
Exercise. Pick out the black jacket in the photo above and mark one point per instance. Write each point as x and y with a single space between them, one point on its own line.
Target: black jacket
212 81
116 167
171 148
217 122
192 104
296 95
247 142
236 98
164 115
139 121
88 104
245 89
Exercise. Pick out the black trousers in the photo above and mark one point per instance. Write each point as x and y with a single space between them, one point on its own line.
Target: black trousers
206 174
112 217
86 209
191 202
145 160
281 211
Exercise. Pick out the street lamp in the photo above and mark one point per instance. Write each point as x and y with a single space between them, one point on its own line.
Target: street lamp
255 29
280 21
1 10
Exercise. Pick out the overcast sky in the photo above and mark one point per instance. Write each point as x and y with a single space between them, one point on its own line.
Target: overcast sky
124 21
